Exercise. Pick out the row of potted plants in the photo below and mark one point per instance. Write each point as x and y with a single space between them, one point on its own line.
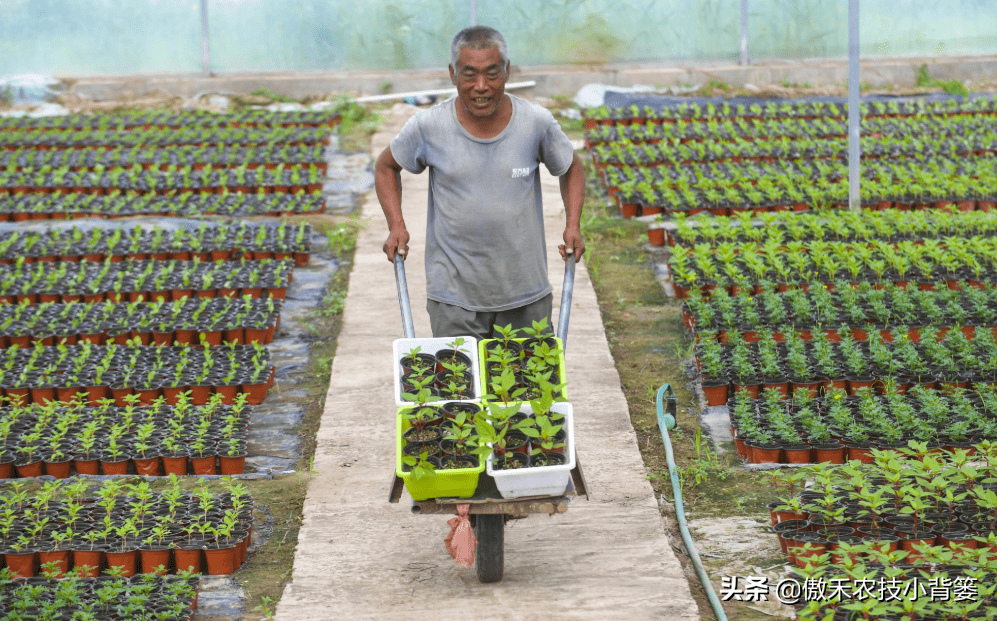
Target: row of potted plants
195 135
41 374
176 179
799 366
128 526
962 184
59 438
734 129
890 225
118 204
215 242
930 264
219 320
837 427
923 519
973 187
141 280
270 156
981 143
864 308
625 115
77 596
133 119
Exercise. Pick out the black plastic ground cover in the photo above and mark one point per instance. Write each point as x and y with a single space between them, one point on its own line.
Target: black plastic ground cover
617 99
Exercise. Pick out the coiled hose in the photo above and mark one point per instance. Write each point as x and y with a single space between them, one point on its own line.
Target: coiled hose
666 422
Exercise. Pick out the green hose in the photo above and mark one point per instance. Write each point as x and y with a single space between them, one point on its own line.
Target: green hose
666 422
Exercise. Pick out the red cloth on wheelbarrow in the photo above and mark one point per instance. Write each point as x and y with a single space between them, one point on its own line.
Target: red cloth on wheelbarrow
461 540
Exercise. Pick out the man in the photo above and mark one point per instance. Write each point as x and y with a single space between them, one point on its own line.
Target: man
486 256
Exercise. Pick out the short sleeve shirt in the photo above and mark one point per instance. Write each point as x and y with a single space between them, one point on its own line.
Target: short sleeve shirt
485 244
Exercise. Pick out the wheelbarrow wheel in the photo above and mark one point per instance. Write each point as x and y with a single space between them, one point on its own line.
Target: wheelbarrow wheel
489 557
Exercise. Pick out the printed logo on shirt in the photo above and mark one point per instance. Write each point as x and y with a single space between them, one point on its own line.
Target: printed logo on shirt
520 172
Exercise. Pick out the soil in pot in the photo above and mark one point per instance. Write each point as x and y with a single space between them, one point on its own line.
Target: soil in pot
512 461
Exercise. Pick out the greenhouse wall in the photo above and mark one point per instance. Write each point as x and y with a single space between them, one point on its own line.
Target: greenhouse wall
94 37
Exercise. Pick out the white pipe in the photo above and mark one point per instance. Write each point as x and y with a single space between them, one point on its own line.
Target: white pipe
435 91
854 109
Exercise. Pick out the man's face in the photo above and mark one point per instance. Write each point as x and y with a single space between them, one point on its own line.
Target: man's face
480 79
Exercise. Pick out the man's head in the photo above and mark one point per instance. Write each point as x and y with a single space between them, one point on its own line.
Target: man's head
479 68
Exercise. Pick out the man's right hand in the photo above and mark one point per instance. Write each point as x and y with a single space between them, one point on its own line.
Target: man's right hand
397 241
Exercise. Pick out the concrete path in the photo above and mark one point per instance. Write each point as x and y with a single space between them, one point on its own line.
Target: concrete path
359 557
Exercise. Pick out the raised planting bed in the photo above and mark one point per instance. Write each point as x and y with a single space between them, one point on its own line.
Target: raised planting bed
937 263
215 242
888 225
106 597
863 309
59 439
800 366
161 158
837 427
189 321
116 204
42 374
130 527
176 180
142 280
16 139
914 522
143 119
604 115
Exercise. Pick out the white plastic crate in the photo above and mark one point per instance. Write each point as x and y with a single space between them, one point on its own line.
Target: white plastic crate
542 481
401 347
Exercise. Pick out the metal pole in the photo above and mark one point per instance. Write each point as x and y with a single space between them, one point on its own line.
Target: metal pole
474 12
744 32
205 49
566 291
408 327
854 111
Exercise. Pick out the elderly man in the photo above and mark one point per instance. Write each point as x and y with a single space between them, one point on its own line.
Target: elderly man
486 257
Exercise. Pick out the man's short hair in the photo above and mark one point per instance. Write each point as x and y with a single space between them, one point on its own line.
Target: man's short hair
479 38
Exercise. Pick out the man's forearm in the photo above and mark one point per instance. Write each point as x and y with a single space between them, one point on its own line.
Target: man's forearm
573 193
388 184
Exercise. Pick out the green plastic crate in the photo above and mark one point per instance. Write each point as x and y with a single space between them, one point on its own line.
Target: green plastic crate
482 356
458 483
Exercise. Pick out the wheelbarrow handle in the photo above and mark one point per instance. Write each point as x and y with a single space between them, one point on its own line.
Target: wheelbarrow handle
566 291
408 327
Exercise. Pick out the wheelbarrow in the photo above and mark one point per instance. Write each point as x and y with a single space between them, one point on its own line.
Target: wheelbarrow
489 512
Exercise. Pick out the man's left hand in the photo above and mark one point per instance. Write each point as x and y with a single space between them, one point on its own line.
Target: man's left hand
573 240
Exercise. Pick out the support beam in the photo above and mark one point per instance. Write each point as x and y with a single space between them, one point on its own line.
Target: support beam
205 47
744 32
854 111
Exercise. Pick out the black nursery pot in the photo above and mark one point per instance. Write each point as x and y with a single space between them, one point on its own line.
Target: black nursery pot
451 356
511 461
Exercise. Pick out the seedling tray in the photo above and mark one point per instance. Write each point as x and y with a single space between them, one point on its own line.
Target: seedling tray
543 480
456 483
483 356
401 347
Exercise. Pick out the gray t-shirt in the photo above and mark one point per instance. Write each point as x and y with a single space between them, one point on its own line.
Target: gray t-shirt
485 244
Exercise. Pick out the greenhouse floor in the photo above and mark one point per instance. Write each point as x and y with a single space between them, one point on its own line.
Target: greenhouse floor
361 557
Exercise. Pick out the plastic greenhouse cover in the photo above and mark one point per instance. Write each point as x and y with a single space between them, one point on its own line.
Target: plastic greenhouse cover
616 99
